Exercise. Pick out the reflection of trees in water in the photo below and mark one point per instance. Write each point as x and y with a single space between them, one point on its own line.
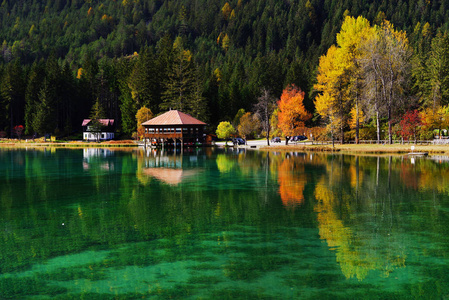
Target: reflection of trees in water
426 174
292 180
356 249
224 163
357 201
357 217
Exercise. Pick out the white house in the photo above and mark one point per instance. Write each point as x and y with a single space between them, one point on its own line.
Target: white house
107 130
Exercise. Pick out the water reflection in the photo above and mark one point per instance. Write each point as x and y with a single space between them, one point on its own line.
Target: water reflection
98 156
310 222
292 179
169 167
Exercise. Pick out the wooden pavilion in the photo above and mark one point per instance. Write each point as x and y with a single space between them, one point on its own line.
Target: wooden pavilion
172 128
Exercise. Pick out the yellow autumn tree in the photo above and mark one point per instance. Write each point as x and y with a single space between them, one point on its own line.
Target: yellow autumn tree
226 10
356 117
79 73
353 35
225 130
143 115
435 119
248 125
225 42
333 104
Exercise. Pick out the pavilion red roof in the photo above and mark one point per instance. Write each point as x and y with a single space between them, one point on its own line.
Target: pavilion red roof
174 117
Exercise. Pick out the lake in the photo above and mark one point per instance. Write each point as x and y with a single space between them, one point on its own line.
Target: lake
221 224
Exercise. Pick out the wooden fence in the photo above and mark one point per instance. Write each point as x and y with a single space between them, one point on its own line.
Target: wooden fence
382 142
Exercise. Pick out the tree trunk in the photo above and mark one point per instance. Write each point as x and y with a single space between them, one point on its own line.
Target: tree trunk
377 125
342 139
390 134
357 122
356 113
268 133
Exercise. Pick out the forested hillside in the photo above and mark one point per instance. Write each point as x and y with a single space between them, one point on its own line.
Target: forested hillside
208 58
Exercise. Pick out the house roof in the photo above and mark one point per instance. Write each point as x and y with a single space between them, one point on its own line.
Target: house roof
104 122
174 117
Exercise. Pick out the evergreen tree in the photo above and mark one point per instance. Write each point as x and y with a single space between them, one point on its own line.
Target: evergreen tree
142 81
44 119
128 107
12 94
436 74
32 94
179 84
96 114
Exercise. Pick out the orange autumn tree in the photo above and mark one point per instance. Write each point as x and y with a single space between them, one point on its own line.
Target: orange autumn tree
292 114
292 180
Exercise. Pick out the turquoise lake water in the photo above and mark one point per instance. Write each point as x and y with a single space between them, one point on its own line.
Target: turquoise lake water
217 224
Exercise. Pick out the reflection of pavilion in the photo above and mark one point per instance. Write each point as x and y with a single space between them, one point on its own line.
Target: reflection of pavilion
170 176
171 169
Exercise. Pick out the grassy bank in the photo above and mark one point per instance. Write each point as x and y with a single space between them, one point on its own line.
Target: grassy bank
346 148
363 148
73 144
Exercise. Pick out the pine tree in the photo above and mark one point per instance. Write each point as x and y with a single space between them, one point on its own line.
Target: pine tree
32 94
178 86
142 81
44 119
13 95
128 107
96 114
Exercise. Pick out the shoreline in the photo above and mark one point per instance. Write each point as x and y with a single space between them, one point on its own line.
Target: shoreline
344 149
363 148
39 144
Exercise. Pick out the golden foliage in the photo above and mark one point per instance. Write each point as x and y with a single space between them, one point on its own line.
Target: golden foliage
225 42
79 74
217 74
353 119
435 118
248 124
226 11
143 114
224 130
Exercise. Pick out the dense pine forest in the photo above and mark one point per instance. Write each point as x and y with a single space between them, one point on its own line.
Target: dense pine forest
208 58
